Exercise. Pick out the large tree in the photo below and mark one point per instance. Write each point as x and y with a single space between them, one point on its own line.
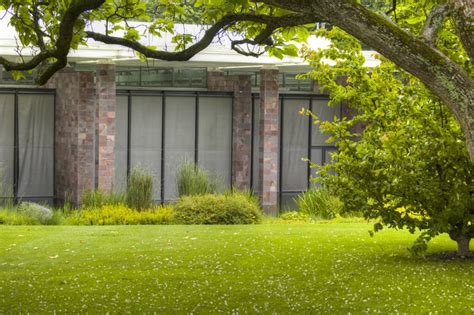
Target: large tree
408 166
55 27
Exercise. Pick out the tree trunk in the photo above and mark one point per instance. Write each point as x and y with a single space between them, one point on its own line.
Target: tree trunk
463 241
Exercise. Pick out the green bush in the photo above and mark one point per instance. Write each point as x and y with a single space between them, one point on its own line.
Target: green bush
194 180
140 189
319 203
97 198
120 215
235 208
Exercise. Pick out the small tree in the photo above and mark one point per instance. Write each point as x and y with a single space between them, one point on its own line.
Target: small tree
408 167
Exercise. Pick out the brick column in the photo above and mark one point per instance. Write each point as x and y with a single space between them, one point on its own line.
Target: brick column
105 125
269 142
242 132
241 86
74 133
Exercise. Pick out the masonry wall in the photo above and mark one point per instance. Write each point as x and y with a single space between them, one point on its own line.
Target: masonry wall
74 146
269 141
85 131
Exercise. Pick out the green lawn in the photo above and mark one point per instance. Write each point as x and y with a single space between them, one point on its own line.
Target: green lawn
319 268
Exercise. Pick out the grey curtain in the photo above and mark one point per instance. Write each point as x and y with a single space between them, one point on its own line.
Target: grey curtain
121 123
7 114
36 145
294 145
145 142
179 138
215 137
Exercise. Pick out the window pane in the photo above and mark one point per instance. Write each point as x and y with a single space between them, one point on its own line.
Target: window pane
121 123
7 114
145 142
36 145
215 137
294 145
179 138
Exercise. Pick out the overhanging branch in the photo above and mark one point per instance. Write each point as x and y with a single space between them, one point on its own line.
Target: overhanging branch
272 22
433 23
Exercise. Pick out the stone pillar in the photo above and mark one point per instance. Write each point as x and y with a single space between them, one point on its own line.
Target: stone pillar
105 125
74 133
242 132
241 86
269 140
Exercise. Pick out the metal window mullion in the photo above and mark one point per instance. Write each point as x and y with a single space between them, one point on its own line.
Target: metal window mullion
232 141
280 157
16 149
310 140
54 149
162 173
196 130
252 141
129 132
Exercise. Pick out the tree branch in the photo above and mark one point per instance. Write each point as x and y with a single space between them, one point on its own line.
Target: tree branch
463 13
272 22
62 44
433 23
28 65
37 28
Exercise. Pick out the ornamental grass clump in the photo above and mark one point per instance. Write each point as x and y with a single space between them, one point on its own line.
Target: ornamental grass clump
139 194
96 198
194 180
319 203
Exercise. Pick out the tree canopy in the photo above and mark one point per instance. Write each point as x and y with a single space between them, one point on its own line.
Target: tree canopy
431 39
408 166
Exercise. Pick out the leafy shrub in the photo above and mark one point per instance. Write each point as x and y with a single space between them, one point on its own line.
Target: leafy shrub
120 215
35 211
319 203
140 189
95 198
235 208
194 180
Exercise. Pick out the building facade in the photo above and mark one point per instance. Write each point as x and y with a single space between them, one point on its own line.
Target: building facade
88 127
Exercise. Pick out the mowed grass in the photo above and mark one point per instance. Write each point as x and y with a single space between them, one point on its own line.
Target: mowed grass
317 268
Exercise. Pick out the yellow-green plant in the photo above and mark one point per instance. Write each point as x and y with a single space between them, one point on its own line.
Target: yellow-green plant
120 214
